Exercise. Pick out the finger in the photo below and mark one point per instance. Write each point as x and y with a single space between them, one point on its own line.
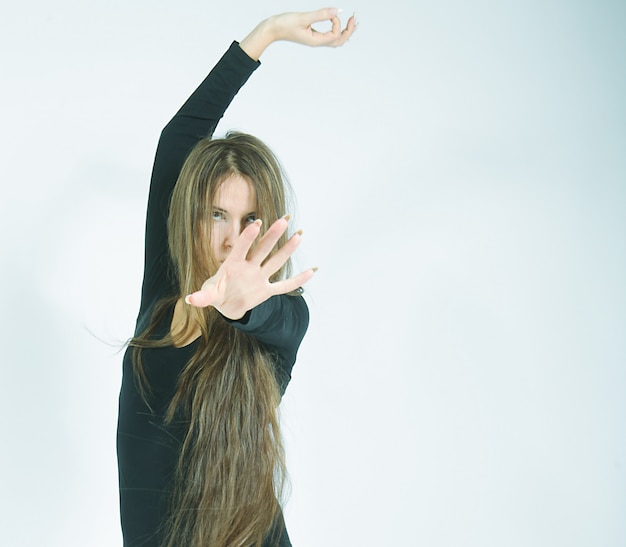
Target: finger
329 37
291 284
350 27
200 299
269 240
335 29
244 241
277 261
346 33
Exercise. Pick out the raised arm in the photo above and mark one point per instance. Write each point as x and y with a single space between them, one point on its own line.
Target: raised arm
199 116
195 120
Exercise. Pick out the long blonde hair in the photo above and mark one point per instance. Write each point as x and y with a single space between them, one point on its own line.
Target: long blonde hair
231 469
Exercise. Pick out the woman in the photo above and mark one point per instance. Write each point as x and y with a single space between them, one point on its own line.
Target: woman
199 447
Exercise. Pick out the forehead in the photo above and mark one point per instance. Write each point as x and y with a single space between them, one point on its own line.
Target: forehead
235 193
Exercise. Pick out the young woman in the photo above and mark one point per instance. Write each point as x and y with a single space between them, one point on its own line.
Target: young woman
199 447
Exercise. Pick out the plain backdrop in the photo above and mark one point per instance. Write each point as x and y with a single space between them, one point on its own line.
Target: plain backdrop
460 172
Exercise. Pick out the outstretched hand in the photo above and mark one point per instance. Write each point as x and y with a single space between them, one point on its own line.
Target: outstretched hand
298 28
243 280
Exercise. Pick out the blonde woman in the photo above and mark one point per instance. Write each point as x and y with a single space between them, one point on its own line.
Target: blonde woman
221 319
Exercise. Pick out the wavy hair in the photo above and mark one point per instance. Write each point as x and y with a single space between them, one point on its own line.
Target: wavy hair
231 469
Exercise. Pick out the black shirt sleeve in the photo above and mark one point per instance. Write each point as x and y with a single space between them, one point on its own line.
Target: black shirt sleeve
279 323
196 120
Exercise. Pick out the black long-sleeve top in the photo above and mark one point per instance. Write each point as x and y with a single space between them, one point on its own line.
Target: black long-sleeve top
147 448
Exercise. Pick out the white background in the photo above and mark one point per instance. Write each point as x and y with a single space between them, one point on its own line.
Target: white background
460 170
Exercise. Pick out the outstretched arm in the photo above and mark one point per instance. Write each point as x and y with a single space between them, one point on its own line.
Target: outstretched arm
297 27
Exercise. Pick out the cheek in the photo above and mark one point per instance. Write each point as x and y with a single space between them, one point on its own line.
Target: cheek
209 238
214 238
210 244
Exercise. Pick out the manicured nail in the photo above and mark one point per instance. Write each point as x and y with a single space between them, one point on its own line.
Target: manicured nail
315 269
287 217
187 299
299 232
258 221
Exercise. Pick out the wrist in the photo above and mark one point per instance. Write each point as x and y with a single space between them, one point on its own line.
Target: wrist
259 39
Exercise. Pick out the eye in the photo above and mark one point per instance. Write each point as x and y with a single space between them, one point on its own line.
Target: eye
217 215
250 218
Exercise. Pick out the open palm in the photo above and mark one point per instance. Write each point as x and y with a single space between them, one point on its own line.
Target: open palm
243 280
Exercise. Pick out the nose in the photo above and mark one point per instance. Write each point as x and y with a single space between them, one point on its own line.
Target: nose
231 234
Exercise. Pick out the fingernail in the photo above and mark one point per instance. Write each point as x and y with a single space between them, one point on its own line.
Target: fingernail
187 299
335 11
315 269
299 232
258 221
287 217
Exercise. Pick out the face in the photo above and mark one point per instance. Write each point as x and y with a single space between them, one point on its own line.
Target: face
234 207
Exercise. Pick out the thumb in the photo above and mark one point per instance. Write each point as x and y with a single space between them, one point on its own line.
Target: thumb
200 299
323 14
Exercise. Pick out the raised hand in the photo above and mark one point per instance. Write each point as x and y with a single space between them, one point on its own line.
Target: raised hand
243 280
297 27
